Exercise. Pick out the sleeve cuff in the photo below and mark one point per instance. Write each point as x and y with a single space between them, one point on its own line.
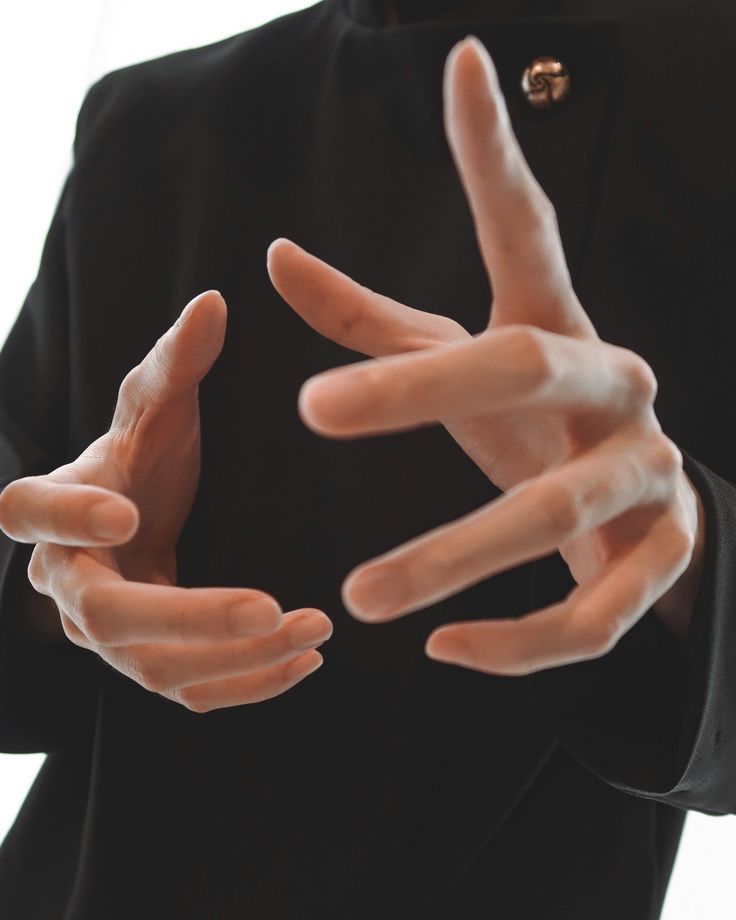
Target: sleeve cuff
656 717
46 688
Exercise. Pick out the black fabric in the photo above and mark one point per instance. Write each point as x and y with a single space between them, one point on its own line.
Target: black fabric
387 784
418 10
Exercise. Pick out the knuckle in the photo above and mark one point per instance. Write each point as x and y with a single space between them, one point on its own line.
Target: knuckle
666 456
90 605
37 569
640 377
681 542
192 700
150 674
597 636
130 389
549 211
562 509
530 346
84 605
72 632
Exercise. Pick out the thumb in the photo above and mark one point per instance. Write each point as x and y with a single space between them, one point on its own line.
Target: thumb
178 361
189 348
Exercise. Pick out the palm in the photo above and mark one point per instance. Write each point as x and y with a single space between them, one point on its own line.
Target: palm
151 454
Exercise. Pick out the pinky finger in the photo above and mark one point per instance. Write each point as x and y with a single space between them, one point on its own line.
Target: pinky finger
251 688
587 624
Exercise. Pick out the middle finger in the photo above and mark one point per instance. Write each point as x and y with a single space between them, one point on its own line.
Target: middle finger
111 610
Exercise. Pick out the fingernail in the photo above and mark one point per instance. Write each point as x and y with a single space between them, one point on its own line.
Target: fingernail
374 593
303 665
192 304
310 631
248 618
186 311
108 519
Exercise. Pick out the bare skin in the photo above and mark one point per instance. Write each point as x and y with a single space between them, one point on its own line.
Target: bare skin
104 530
561 421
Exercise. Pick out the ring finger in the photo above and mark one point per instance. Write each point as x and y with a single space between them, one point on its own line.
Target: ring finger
586 624
162 667
529 521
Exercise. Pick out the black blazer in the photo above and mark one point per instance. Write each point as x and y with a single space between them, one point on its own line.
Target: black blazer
387 784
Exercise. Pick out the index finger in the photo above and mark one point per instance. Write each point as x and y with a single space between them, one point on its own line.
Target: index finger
35 509
515 222
177 362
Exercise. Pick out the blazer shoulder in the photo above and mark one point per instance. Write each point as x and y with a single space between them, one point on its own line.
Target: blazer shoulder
148 98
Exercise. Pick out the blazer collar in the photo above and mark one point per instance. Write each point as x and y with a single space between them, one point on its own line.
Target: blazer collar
566 147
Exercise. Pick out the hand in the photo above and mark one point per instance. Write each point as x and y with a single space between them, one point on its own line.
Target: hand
561 421
105 528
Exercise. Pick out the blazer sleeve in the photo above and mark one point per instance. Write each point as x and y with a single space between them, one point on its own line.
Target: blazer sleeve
656 717
46 687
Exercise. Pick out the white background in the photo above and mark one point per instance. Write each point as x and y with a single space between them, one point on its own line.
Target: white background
52 51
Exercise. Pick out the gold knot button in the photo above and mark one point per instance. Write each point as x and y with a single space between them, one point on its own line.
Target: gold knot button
545 83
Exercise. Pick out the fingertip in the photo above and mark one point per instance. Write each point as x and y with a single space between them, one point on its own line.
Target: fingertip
113 519
471 52
327 621
309 394
277 244
376 592
4 516
469 65
303 665
347 593
483 55
336 403
318 408
214 300
190 307
430 646
456 50
215 295
210 320
444 645
279 247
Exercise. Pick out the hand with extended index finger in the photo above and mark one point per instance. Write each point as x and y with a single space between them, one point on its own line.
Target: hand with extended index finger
561 421
105 528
